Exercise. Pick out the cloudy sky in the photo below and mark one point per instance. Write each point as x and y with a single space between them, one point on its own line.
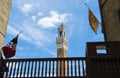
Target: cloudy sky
39 19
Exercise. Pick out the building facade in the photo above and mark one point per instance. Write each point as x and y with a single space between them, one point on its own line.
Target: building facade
110 13
62 47
4 16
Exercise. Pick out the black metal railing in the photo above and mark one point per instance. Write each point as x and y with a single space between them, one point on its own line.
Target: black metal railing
45 67
103 67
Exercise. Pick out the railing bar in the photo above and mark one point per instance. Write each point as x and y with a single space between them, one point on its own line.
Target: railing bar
49 68
102 66
18 69
14 69
118 64
112 63
53 69
24 69
106 62
67 67
32 69
60 70
79 67
64 68
75 68
98 66
109 68
114 66
106 67
57 68
36 75
42 69
21 69
83 67
71 69
39 69
3 65
46 69
104 70
28 68
11 68
35 69
8 68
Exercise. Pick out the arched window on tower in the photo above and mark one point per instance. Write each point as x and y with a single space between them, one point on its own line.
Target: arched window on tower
60 33
64 34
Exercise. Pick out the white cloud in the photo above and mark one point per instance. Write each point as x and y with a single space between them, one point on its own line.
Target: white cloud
20 48
11 30
82 1
40 14
53 19
26 8
33 35
70 32
52 52
34 18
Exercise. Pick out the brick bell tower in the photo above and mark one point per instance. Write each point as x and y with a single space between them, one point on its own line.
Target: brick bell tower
62 47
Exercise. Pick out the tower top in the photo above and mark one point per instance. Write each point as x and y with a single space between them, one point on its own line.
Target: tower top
62 31
62 24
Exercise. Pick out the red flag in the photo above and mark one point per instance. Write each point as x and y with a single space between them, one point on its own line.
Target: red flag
10 49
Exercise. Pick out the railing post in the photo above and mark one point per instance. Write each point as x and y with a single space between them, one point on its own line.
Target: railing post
88 68
3 67
1 74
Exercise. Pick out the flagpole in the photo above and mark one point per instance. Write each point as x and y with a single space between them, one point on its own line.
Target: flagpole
92 12
0 47
87 5
2 34
20 32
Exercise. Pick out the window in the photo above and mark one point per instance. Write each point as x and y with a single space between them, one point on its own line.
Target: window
119 14
64 34
60 33
101 49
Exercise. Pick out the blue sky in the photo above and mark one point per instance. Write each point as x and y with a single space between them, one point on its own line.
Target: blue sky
39 19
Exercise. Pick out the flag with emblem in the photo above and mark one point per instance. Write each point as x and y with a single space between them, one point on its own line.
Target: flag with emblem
93 21
10 49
